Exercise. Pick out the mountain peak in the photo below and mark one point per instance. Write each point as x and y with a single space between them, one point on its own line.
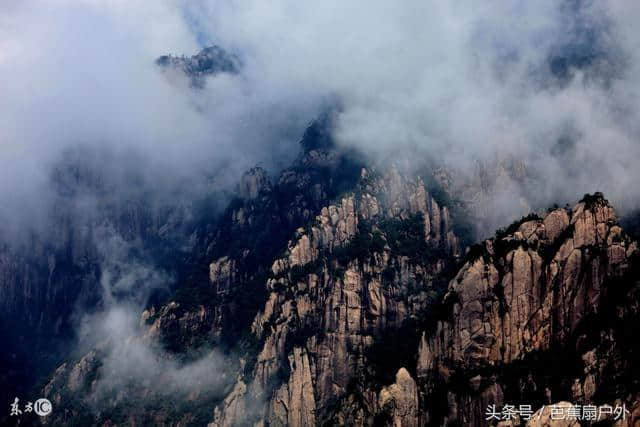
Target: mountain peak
209 61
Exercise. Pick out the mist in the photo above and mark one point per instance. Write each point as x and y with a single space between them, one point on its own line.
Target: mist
119 355
82 77
549 83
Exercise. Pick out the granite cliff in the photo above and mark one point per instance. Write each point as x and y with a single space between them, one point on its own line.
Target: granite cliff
335 293
373 313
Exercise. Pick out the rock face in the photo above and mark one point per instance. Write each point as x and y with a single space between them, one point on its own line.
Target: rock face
528 290
538 313
214 305
550 288
240 248
372 316
352 276
350 300
399 401
209 61
363 268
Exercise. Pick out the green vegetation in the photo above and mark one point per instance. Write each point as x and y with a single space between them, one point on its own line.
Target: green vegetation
503 242
299 273
502 247
503 307
592 200
501 233
475 252
362 245
383 363
406 238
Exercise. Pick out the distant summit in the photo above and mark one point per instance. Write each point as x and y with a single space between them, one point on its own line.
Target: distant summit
209 61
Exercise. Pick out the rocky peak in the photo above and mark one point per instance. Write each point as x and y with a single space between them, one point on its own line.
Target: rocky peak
523 295
363 267
318 135
532 291
240 250
371 315
209 61
399 401
535 263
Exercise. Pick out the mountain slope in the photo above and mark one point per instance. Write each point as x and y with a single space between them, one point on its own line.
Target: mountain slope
371 315
562 288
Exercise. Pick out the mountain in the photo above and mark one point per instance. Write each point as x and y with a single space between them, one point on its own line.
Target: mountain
544 312
353 301
56 271
337 291
209 61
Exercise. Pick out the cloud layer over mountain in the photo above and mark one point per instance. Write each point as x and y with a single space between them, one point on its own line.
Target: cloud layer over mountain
552 83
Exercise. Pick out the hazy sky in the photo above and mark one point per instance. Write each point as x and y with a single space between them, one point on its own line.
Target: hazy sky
554 84
462 80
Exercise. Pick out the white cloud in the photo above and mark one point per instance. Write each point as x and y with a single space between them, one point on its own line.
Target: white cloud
462 80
